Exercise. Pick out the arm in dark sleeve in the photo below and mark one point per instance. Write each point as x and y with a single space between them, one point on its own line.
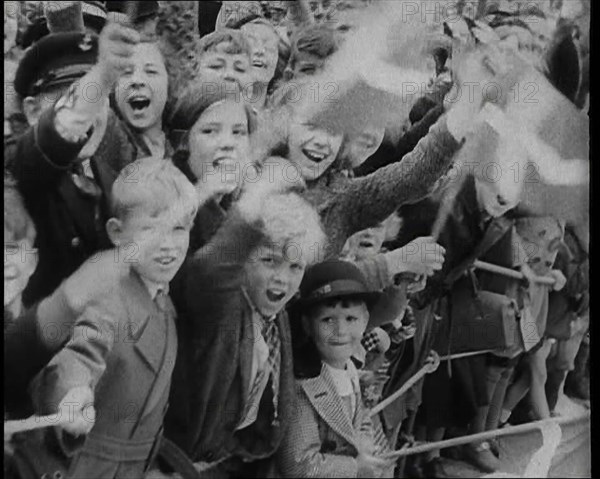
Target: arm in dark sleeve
387 154
43 154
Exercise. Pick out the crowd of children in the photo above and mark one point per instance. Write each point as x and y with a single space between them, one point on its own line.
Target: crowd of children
203 278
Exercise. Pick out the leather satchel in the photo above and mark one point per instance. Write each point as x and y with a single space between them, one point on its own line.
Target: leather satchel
481 319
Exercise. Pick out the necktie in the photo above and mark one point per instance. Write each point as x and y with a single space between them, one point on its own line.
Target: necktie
271 336
161 300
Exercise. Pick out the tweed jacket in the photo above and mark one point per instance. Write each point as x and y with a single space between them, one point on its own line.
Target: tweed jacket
216 338
322 441
124 348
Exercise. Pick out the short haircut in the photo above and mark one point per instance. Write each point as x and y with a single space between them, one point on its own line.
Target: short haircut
288 221
235 40
317 40
18 225
155 186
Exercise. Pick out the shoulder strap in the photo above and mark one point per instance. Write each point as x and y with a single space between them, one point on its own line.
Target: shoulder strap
495 230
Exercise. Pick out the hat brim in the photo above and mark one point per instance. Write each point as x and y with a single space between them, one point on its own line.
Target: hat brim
370 298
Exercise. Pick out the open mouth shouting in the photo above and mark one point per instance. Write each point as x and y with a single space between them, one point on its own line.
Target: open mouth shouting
275 295
139 102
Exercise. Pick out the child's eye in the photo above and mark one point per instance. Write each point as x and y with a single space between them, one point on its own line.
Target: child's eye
207 131
267 260
240 132
297 267
351 319
308 70
215 66
151 71
327 320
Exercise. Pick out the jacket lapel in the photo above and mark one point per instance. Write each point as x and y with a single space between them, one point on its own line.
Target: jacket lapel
246 352
323 396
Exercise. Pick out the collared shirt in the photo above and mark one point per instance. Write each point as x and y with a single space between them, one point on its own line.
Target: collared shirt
153 288
346 383
260 365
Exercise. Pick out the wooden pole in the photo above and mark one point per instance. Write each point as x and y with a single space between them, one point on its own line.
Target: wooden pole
507 431
405 387
511 273
31 423
417 376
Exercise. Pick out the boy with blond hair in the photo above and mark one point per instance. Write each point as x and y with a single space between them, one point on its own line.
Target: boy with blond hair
115 370
236 340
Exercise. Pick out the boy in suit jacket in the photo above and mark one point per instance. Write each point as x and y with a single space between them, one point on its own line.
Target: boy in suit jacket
331 434
115 370
234 400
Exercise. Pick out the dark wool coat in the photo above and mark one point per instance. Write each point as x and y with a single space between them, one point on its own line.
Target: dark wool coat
216 340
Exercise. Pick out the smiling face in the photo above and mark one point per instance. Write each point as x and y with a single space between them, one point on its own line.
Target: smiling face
272 278
336 328
312 149
220 143
360 147
156 241
264 42
218 66
141 91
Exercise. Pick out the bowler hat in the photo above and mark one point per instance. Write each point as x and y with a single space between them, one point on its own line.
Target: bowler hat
56 59
335 279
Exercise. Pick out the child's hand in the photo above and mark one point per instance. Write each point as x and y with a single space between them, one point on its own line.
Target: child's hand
77 411
115 51
559 279
372 466
433 360
422 256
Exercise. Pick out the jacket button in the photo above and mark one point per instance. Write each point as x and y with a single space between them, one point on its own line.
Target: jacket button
75 242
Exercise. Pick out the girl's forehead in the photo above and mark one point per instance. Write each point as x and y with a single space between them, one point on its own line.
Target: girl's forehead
224 111
260 30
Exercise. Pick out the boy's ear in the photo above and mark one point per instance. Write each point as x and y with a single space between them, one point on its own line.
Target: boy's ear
114 228
31 109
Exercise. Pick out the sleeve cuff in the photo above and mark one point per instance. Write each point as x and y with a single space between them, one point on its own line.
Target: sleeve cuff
57 151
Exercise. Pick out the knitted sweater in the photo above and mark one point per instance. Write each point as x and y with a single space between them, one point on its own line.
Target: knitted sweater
347 206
